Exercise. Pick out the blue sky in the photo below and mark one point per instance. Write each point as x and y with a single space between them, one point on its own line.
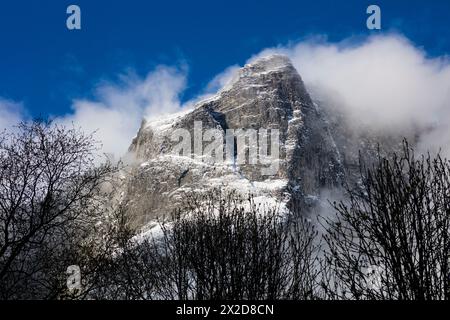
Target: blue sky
45 67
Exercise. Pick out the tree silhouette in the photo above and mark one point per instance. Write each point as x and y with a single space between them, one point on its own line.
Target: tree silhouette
390 240
48 189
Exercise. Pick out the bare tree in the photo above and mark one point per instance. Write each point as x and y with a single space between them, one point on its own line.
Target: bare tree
220 246
50 190
116 266
390 240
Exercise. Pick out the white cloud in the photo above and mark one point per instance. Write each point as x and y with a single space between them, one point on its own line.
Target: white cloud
116 114
223 79
384 82
11 113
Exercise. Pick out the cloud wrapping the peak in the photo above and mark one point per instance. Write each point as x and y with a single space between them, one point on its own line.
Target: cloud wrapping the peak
384 82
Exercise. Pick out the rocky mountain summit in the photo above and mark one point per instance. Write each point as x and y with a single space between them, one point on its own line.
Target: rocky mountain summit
267 94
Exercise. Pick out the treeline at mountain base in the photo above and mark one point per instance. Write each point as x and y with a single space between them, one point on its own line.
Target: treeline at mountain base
387 239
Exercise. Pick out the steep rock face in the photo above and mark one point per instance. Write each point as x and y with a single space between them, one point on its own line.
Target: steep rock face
267 94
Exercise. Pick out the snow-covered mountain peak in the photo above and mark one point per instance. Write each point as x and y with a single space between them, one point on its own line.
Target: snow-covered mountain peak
267 94
266 64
